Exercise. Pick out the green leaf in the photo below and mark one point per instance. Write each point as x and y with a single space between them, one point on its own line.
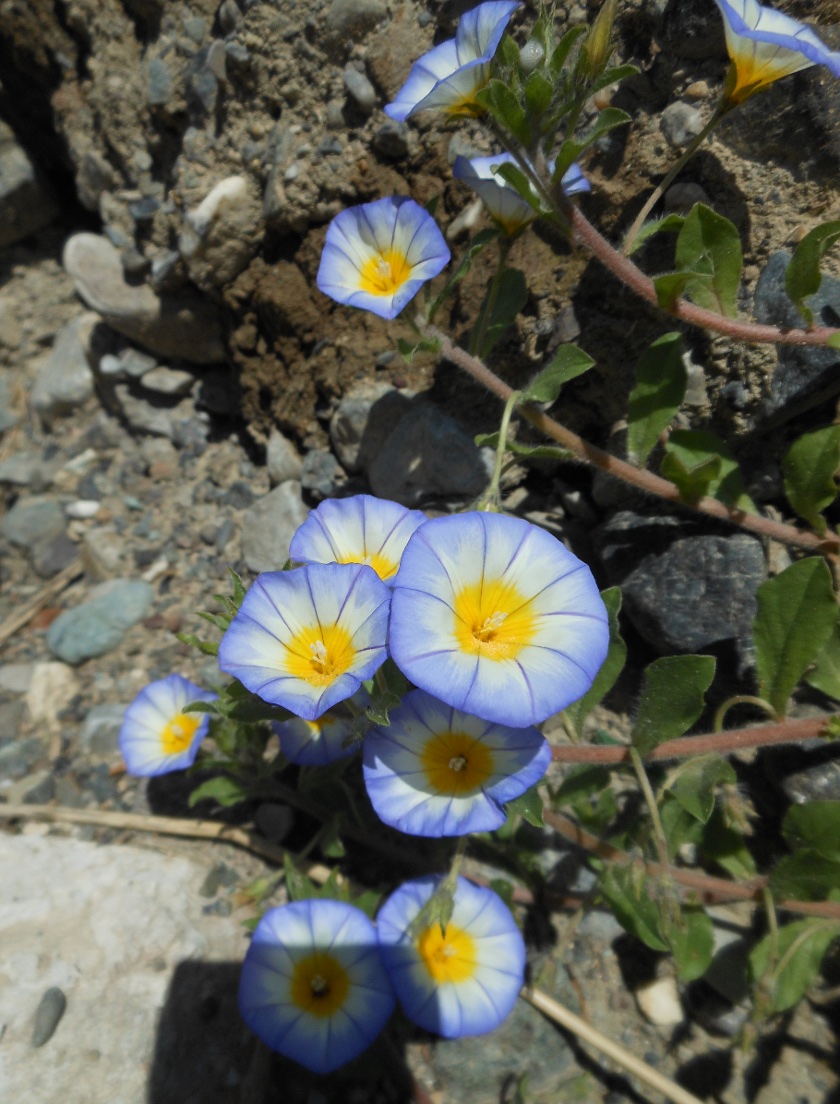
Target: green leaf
692 943
670 286
834 340
408 350
802 275
568 362
800 949
563 48
693 785
506 109
626 893
709 244
298 886
692 450
219 620
797 613
657 395
580 782
809 468
825 676
570 150
519 182
206 647
539 91
678 825
815 826
529 806
504 889
805 876
692 480
611 668
511 297
330 840
672 698
480 242
725 845
223 790
671 223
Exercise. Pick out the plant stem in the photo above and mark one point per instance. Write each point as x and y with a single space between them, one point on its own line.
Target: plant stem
742 699
491 495
658 830
620 469
721 743
677 167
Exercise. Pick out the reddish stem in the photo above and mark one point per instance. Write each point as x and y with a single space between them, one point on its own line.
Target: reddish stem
611 465
786 732
623 268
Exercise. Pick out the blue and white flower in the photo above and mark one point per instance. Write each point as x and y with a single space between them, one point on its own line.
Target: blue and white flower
313 986
505 205
307 639
157 736
436 771
463 981
360 529
378 255
496 617
765 45
451 74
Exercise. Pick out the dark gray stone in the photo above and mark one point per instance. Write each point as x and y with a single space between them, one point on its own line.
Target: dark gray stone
33 521
269 525
683 590
48 1015
692 29
391 140
50 557
159 82
321 473
804 376
25 205
17 757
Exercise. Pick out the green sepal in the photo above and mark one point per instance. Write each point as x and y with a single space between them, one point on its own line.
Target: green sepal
481 240
562 50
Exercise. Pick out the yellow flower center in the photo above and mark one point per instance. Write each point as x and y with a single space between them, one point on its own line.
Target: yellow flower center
456 764
319 654
319 984
178 734
385 273
493 619
448 958
384 567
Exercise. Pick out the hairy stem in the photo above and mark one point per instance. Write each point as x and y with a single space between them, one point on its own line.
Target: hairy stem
620 469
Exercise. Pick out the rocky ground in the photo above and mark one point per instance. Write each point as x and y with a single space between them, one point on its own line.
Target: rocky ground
175 395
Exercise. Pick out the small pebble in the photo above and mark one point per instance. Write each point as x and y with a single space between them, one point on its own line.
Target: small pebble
48 1015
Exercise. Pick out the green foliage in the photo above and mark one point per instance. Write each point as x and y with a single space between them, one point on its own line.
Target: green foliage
587 791
810 468
786 966
568 362
672 698
825 674
529 806
526 452
478 243
724 844
803 276
797 614
504 105
657 395
805 876
571 149
656 226
611 668
700 464
709 248
223 789
626 891
206 647
510 294
692 941
815 826
694 782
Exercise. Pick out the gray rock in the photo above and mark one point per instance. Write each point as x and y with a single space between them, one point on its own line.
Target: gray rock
321 474
22 469
680 123
100 729
11 333
48 1015
360 90
8 418
681 197
17 757
135 364
65 379
32 521
50 557
15 677
221 234
426 456
348 21
682 590
146 414
168 381
94 176
229 16
808 773
122 932
391 140
282 459
99 624
363 421
159 82
25 205
11 716
804 375
269 525
185 327
34 789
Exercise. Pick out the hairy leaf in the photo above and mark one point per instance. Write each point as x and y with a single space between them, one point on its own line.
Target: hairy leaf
825 675
809 468
800 949
672 698
802 275
657 395
797 613
568 362
693 785
695 451
710 244
223 790
625 890
815 826
692 943
671 223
